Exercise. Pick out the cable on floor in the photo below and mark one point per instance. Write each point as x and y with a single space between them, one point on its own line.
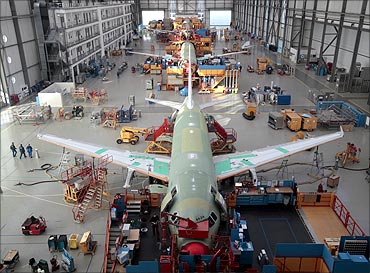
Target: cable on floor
35 183
44 167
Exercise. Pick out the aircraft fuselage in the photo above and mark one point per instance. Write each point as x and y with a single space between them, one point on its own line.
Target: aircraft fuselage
192 172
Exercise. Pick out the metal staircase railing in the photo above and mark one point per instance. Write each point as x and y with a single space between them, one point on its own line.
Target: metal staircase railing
80 209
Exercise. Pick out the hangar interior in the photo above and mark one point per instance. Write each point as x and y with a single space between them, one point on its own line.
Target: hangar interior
76 76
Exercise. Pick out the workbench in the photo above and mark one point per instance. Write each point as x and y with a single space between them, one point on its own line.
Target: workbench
134 238
272 195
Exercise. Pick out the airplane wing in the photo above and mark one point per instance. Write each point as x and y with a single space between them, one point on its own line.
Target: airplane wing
212 103
233 53
145 54
225 54
172 104
233 164
152 165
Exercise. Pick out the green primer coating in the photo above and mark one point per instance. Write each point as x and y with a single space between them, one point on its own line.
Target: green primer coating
160 167
191 140
242 156
246 162
145 157
100 151
284 151
222 166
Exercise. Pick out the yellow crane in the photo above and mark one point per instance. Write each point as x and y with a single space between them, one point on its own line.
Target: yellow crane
131 134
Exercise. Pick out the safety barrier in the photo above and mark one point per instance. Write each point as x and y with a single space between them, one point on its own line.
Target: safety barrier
345 217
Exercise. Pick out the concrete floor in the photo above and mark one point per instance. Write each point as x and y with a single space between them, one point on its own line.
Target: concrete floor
19 202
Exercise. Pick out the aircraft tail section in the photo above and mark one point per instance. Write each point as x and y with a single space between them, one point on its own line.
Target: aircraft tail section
190 102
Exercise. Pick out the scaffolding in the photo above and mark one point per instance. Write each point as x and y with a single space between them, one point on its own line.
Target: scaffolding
31 113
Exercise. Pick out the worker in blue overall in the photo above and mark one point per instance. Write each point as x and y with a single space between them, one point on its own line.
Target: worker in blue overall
29 150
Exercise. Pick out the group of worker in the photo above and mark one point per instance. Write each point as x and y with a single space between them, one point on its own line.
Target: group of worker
22 150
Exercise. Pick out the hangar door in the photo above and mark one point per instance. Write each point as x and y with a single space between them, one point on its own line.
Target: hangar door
220 18
149 15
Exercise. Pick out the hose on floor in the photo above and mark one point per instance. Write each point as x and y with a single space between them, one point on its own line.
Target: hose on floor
35 183
44 167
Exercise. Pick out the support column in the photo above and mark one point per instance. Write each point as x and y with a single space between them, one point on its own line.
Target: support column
357 43
339 36
313 19
292 35
73 74
102 53
19 41
267 21
324 30
286 7
301 34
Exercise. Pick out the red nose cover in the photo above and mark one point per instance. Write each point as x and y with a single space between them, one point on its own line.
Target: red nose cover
196 248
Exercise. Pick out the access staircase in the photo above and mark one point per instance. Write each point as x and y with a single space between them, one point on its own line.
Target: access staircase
112 240
133 206
80 209
94 192
224 143
218 80
114 235
160 139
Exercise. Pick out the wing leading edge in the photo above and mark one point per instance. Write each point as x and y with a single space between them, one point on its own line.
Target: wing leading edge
233 164
155 166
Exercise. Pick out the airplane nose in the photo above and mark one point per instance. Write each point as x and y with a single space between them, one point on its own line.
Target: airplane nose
196 248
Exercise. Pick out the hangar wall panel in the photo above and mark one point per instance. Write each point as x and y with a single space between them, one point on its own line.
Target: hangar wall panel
34 74
32 55
15 88
346 47
7 28
22 7
4 8
15 65
26 29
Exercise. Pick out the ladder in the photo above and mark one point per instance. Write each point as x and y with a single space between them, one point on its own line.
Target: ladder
80 209
64 161
283 168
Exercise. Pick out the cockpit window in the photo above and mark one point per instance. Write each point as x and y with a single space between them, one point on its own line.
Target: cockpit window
212 219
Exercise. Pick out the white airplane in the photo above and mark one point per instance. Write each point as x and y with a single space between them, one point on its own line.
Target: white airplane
192 201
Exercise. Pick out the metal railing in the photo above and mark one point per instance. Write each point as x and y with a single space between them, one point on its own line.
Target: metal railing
83 55
81 40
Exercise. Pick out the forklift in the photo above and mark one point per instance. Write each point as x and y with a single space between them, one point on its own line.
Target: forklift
131 135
